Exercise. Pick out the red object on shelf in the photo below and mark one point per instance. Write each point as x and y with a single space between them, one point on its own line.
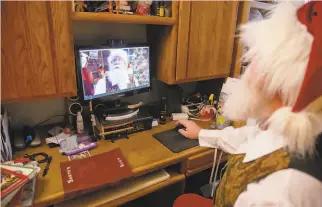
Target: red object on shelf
143 9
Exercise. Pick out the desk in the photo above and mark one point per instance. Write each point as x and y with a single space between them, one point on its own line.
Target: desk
144 154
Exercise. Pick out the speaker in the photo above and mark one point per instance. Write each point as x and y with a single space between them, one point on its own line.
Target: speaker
74 106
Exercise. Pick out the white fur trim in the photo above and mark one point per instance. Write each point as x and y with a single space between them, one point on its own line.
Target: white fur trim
299 129
279 47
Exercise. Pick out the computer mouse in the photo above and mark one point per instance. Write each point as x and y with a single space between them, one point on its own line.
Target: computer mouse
179 127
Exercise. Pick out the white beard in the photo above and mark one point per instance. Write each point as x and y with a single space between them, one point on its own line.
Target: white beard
245 102
119 77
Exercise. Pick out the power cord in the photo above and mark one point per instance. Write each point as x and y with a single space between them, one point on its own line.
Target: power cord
98 105
46 159
192 105
42 122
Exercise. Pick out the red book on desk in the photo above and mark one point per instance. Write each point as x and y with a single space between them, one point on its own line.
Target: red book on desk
84 175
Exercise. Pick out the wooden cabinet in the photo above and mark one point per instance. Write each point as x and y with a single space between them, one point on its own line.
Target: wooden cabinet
204 40
200 162
37 57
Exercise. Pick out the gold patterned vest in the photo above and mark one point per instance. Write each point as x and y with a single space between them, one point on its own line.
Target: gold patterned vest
238 175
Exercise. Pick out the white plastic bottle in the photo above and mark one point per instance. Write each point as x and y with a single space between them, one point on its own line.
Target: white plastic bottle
79 123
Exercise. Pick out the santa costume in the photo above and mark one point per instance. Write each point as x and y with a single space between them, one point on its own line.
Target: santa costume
278 161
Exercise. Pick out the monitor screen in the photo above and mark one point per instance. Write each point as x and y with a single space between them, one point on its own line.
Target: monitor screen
112 71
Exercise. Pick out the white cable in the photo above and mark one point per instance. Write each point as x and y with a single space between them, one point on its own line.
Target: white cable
193 112
214 184
222 171
213 167
70 106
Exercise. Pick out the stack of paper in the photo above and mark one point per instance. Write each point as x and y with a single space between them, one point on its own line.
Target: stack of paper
21 194
5 145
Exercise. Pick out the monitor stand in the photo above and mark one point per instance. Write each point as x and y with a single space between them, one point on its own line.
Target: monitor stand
119 111
120 115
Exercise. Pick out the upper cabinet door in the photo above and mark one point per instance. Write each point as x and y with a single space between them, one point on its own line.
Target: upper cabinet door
37 58
212 31
26 57
63 47
205 39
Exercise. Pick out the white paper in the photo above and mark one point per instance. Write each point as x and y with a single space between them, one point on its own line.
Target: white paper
7 151
57 139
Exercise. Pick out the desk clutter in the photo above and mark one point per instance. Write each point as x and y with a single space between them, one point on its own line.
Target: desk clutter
204 107
71 144
85 171
114 129
18 182
155 8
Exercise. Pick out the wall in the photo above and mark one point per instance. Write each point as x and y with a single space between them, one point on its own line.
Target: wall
31 113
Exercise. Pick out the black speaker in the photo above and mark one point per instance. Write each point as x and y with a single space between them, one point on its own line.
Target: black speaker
173 99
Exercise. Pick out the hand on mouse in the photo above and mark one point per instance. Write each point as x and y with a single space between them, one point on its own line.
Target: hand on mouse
192 129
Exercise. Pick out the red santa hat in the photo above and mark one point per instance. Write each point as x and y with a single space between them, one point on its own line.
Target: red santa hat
285 54
311 16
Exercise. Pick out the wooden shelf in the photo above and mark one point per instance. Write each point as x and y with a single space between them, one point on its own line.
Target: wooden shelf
102 197
260 5
122 18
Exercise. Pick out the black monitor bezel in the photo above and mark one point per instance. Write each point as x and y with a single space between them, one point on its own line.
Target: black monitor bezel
80 88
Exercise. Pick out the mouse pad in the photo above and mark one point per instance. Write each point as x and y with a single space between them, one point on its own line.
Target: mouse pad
174 141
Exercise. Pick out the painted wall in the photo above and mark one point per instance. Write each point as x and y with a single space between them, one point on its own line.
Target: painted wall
31 113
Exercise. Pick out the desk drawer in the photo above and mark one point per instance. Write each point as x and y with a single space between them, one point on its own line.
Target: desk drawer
200 159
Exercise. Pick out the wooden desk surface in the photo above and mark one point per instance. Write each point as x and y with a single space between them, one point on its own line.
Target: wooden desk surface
144 153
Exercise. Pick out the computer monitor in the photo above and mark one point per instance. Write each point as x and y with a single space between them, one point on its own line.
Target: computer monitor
104 71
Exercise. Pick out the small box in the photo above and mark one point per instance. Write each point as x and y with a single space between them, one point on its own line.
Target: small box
179 116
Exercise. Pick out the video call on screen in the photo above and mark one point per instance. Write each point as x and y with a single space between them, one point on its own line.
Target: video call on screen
110 71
